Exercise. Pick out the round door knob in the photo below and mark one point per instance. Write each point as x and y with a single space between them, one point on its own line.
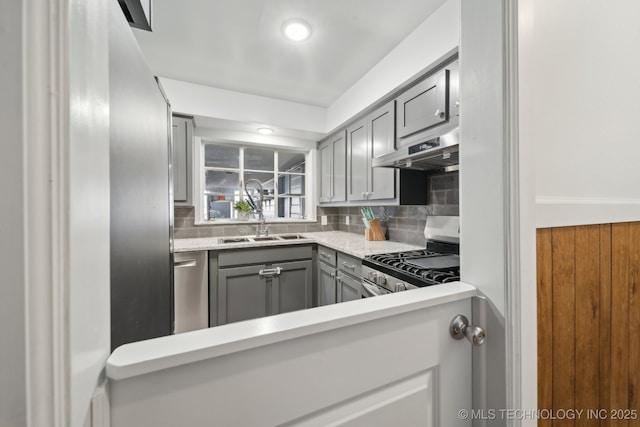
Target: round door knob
439 114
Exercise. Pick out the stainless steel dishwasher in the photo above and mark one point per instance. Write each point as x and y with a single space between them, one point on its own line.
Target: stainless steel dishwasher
191 291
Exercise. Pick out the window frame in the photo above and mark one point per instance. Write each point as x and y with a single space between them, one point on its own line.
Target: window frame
199 172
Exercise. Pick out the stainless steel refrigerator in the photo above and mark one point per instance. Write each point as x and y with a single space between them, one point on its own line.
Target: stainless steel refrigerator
141 198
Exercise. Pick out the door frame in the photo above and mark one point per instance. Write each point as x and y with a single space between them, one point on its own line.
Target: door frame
519 189
48 133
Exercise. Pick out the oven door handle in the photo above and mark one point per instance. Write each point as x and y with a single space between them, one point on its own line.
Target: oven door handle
370 290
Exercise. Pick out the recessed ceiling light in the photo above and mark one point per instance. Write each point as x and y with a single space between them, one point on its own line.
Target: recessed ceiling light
265 131
296 30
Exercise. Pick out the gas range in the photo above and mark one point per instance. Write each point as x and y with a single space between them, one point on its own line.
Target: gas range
438 263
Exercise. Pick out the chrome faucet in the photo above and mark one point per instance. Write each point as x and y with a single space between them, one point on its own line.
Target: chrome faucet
261 229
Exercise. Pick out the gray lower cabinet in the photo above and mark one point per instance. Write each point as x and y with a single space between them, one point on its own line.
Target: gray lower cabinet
243 294
349 288
291 288
326 284
265 287
338 277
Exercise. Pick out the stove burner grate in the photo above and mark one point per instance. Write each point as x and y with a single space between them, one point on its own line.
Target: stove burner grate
414 266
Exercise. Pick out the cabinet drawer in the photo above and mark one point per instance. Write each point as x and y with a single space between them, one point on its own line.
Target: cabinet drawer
350 265
326 255
261 256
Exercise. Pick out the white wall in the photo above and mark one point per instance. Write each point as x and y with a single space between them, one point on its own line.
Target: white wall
12 263
88 200
194 99
436 36
580 106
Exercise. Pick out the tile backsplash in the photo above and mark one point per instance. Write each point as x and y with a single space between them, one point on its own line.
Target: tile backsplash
403 223
184 226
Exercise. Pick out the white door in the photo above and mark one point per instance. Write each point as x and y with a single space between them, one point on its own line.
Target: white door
385 361
372 362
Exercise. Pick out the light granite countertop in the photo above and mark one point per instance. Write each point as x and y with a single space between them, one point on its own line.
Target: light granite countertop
349 243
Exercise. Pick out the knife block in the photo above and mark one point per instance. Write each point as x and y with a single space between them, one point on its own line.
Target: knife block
375 232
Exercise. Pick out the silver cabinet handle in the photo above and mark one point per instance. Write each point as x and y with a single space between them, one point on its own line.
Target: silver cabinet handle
333 276
270 271
322 254
185 263
439 113
349 266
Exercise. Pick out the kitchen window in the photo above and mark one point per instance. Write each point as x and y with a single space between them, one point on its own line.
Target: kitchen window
283 172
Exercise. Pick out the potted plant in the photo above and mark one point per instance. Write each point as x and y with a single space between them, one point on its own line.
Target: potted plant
243 209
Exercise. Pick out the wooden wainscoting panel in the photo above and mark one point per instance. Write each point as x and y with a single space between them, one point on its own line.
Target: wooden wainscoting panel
605 319
619 317
589 323
564 320
634 319
545 321
587 315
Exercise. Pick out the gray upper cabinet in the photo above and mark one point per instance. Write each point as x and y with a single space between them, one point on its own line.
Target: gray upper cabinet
357 161
182 146
369 137
332 167
381 139
423 106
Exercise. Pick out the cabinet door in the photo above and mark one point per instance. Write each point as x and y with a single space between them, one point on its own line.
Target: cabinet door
381 138
358 161
181 159
349 288
339 168
326 284
242 294
291 289
423 106
325 157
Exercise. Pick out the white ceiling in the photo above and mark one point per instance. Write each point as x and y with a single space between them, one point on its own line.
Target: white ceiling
238 44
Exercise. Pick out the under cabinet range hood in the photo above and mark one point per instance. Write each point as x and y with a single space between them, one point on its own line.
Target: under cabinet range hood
439 152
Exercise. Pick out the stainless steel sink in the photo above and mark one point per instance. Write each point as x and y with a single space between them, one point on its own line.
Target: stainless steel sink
228 240
234 240
292 237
